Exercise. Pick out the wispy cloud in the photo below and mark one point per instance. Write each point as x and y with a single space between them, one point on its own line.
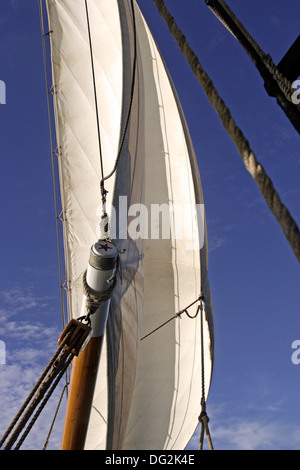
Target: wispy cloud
216 242
218 234
245 434
19 298
242 434
17 381
262 426
30 344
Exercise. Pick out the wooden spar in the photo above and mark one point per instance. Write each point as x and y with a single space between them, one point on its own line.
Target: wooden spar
99 281
81 391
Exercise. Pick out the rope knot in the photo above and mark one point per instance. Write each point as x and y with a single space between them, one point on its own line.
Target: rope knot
203 417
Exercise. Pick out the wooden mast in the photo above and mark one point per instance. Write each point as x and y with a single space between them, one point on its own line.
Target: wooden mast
99 281
81 391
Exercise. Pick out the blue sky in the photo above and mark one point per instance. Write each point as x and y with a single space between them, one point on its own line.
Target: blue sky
254 275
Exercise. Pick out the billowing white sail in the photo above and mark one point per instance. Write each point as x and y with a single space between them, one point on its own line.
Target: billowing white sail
148 390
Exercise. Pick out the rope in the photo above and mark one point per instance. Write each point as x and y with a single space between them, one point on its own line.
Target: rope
203 418
94 86
283 83
131 97
279 210
73 336
104 178
204 426
178 314
93 298
202 357
53 166
55 416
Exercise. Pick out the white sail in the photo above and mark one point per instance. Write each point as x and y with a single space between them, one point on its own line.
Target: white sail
149 395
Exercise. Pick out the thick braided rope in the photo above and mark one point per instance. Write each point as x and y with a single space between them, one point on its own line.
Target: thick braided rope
282 214
93 298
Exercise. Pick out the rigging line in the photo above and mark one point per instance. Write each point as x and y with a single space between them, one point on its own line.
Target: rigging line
62 371
203 418
283 83
204 426
53 166
131 97
31 395
70 344
55 416
178 314
95 90
276 83
104 178
202 354
263 181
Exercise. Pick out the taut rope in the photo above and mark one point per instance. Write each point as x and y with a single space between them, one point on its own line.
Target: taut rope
279 210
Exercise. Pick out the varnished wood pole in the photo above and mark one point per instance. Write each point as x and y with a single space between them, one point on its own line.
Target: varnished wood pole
81 391
98 282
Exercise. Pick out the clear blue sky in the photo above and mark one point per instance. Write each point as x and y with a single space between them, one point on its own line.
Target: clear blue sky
254 275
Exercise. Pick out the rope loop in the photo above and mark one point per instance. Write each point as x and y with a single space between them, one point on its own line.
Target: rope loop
93 298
